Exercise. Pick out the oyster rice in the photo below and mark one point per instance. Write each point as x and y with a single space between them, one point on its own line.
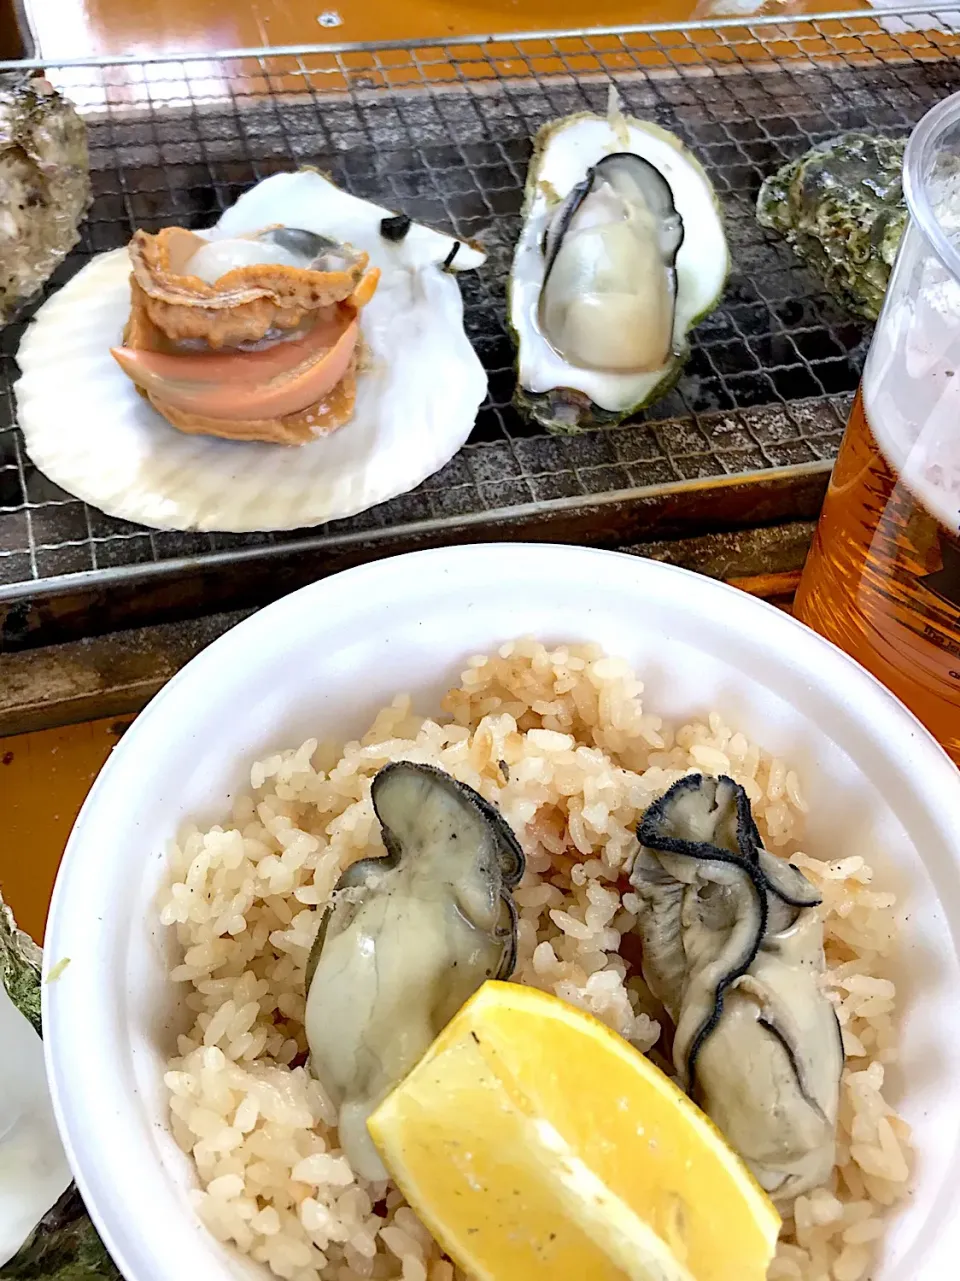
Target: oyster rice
733 947
285 895
409 938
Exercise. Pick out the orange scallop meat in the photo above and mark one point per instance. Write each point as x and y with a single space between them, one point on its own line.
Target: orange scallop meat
288 392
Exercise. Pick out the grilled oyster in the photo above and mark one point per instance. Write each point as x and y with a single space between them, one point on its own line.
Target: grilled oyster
44 184
622 251
251 337
409 938
609 289
733 948
841 207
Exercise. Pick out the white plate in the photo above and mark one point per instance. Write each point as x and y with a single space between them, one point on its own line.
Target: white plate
320 663
87 428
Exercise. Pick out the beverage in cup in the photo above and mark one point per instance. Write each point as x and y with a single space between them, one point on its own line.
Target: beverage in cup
882 580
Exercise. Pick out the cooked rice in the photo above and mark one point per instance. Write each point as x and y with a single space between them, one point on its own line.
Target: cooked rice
560 742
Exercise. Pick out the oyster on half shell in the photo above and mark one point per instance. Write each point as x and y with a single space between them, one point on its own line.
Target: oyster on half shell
622 251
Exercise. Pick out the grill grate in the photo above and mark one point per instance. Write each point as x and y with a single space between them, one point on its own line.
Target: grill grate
442 131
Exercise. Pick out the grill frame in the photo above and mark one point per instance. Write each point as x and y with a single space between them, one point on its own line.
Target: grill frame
441 130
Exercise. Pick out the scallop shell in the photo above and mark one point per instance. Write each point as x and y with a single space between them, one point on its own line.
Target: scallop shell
88 429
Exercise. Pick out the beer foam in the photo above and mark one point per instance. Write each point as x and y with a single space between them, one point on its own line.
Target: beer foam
911 384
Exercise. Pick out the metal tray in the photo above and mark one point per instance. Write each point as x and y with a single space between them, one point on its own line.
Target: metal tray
443 132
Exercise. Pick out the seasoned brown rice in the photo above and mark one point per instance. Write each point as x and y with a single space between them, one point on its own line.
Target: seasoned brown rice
582 760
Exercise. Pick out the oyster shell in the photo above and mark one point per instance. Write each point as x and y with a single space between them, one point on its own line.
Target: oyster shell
44 184
409 938
248 338
733 948
841 208
621 252
416 399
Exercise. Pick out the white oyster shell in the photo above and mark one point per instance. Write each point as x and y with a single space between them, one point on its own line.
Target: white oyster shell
33 1168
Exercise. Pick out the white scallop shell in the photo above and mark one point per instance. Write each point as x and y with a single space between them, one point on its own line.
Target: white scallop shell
86 427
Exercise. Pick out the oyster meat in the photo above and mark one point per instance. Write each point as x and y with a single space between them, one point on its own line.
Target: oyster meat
621 252
841 208
609 287
410 936
733 948
44 184
250 337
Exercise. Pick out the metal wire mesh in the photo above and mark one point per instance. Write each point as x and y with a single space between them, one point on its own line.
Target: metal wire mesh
442 131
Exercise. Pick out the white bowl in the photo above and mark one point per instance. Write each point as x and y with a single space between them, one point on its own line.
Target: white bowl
320 662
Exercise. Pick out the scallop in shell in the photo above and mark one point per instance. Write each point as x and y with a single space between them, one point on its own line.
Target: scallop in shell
622 251
251 337
418 386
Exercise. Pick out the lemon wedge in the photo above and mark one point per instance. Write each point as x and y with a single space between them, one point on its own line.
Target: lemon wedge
534 1142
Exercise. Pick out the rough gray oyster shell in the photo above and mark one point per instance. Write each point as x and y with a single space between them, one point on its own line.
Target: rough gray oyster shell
733 948
20 961
841 207
409 938
44 184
